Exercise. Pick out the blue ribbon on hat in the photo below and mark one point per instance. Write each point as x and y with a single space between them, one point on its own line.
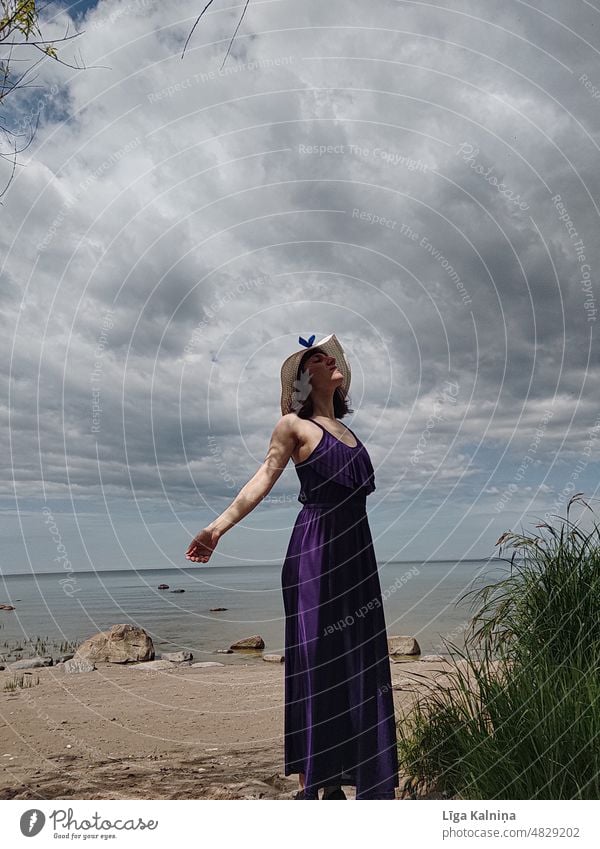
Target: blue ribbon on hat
305 343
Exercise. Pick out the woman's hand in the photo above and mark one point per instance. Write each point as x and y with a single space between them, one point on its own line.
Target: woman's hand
203 545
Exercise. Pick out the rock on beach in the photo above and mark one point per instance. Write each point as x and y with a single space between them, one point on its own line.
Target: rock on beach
77 664
176 656
30 663
403 646
154 665
120 644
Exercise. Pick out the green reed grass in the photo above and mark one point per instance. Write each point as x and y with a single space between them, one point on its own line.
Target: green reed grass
37 646
23 682
517 714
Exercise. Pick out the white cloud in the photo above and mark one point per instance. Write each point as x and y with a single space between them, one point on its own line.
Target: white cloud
171 185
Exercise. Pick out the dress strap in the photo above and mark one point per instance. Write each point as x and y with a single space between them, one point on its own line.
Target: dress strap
337 437
353 434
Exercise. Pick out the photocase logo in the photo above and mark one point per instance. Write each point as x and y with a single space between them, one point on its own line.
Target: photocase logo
32 822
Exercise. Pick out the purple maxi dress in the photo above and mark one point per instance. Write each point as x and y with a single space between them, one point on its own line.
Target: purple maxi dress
339 711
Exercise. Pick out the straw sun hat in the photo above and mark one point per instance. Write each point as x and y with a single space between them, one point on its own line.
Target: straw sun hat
296 388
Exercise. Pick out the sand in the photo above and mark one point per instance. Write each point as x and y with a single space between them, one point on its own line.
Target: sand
186 733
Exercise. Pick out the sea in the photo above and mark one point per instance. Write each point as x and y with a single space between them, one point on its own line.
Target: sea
420 599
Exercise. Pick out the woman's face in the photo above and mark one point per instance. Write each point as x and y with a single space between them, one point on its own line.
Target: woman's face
323 370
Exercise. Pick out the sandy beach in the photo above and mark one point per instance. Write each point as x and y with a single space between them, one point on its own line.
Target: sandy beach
121 732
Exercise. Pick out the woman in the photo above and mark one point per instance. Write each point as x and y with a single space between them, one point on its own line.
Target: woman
339 711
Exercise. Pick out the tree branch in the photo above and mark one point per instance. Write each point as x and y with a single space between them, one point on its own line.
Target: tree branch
232 37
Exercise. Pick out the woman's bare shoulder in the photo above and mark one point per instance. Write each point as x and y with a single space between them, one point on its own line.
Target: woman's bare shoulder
293 425
286 425
304 434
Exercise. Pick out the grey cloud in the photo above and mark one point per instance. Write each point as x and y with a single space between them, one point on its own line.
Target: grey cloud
213 267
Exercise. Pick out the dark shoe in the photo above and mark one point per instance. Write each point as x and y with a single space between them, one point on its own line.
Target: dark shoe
301 794
333 793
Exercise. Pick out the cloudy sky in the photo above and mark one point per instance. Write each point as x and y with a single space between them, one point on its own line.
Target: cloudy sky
421 179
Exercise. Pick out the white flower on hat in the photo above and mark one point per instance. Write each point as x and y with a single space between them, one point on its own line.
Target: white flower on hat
302 389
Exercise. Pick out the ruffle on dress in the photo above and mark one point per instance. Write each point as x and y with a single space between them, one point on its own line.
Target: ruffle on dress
334 462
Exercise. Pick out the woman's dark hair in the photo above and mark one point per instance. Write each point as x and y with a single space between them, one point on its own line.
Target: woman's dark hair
341 406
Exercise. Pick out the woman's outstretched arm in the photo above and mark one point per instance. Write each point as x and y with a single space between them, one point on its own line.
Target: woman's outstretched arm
282 444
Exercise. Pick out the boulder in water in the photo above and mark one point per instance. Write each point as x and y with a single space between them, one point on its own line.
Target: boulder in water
254 642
